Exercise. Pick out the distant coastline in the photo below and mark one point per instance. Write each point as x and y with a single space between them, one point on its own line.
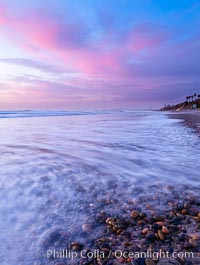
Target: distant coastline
191 103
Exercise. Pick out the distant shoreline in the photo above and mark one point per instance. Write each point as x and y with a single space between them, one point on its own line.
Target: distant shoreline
193 104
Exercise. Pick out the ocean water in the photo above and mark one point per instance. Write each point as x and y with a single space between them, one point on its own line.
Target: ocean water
55 166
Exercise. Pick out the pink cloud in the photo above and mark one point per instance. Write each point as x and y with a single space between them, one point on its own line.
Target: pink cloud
42 30
3 15
145 37
69 43
39 30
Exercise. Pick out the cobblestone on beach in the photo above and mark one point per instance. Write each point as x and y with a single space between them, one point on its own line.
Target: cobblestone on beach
161 219
190 119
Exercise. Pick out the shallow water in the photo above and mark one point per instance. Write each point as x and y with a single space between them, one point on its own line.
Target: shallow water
52 168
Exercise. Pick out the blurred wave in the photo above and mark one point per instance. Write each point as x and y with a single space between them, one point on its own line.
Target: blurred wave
46 113
53 170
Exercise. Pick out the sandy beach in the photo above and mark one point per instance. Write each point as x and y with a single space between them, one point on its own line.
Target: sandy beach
190 118
158 224
126 187
99 132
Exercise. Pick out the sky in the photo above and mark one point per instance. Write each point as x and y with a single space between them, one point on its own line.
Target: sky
98 54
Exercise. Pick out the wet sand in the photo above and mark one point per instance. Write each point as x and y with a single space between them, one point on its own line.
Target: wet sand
162 219
132 186
190 119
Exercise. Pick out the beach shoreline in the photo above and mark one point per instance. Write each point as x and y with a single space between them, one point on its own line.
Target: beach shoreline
190 118
130 186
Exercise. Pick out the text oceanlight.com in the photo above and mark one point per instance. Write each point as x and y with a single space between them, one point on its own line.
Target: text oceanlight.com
98 254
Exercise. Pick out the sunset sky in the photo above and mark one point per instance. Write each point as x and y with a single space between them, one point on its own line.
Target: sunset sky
96 54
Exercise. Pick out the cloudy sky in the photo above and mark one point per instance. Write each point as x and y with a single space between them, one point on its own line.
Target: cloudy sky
96 54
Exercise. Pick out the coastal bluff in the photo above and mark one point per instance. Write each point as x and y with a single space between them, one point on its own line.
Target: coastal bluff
192 102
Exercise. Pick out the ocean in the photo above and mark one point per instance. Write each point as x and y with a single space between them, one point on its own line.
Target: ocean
58 168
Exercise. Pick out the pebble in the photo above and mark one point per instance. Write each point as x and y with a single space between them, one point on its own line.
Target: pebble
150 236
86 227
49 237
57 243
109 221
165 230
161 235
149 262
159 218
194 236
145 230
121 260
160 223
150 207
76 246
193 242
135 214
184 211
105 247
119 231
141 222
